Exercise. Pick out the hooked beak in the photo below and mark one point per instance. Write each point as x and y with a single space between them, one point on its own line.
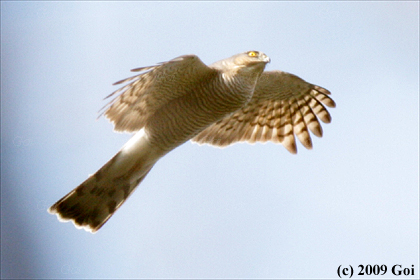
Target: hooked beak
265 58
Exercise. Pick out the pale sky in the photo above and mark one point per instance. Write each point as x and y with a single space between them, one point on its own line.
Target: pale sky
246 211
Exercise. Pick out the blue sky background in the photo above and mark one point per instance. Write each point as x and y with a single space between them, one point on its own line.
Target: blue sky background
246 211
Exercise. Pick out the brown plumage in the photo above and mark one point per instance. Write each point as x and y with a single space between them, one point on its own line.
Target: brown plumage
168 104
283 106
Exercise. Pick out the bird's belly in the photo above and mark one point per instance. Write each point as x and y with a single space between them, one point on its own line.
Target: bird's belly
185 117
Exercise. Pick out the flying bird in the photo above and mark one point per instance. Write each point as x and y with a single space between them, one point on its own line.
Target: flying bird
232 100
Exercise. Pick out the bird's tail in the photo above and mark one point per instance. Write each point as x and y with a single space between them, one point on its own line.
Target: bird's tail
92 203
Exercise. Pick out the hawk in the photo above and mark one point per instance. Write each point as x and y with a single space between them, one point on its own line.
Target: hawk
232 100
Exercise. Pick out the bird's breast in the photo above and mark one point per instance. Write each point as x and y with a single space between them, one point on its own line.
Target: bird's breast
204 104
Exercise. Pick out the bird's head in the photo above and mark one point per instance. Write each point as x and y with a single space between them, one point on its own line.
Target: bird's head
251 61
252 57
247 66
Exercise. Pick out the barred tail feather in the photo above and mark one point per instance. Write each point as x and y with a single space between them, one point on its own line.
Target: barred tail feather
94 201
92 211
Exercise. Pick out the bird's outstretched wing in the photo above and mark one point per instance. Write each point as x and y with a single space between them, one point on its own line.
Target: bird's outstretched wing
283 105
145 93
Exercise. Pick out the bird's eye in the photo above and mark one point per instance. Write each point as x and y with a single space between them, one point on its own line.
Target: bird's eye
252 54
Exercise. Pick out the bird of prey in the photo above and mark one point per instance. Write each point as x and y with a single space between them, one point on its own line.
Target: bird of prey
232 100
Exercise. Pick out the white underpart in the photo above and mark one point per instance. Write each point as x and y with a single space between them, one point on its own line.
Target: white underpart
138 147
130 146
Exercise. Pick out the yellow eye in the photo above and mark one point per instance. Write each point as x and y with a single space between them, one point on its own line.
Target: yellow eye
252 53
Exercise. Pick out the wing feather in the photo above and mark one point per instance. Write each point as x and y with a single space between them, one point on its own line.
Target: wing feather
154 87
283 107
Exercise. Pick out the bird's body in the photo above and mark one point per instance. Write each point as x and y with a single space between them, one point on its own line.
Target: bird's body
184 99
